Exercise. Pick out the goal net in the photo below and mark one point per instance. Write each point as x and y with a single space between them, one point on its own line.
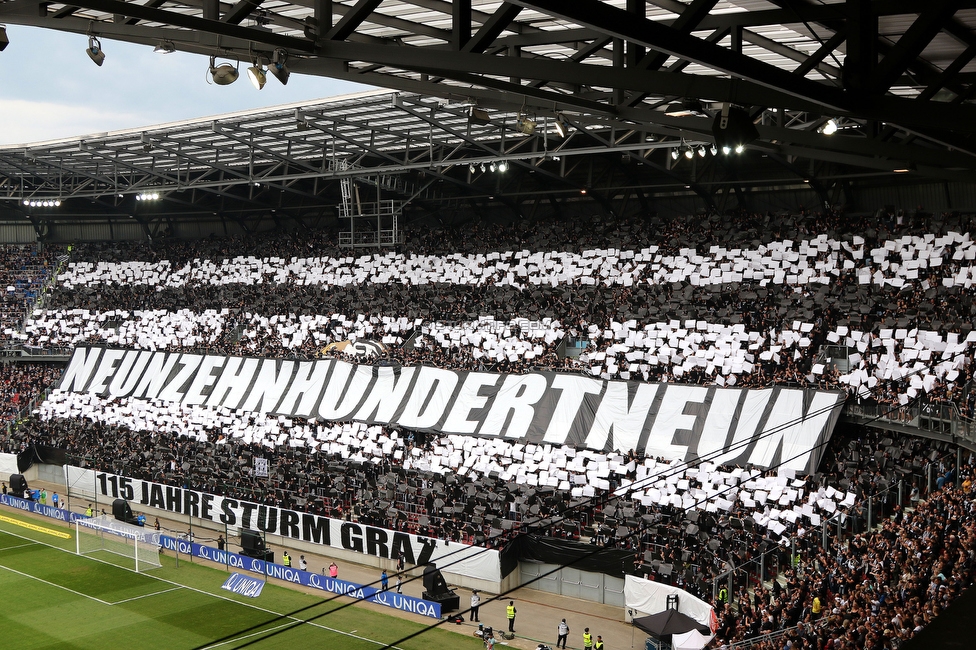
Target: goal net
109 535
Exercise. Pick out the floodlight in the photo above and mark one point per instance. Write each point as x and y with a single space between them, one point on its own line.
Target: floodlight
733 128
278 67
471 168
701 151
478 116
524 125
503 166
165 47
689 154
223 74
830 127
726 149
492 166
674 154
257 76
714 150
739 148
561 127
94 51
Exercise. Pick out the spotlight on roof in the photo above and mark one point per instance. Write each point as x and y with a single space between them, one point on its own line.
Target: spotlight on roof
739 148
561 127
94 51
478 116
257 76
223 74
714 150
685 108
471 168
165 47
733 128
829 127
689 154
674 154
726 149
701 151
503 166
524 125
493 166
278 67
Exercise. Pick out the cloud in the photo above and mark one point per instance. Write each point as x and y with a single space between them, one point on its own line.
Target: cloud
52 89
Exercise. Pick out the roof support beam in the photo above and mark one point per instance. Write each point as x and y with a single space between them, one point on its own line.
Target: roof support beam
494 26
240 11
618 23
352 20
934 15
461 21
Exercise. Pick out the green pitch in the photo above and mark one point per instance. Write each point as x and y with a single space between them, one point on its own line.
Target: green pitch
53 598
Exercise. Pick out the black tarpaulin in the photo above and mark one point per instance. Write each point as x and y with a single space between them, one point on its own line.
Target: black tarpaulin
585 557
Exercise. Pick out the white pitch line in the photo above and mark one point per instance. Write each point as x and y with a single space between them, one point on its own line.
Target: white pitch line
77 593
213 595
248 636
10 548
155 593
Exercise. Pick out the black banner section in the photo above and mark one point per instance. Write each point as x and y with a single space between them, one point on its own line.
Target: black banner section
669 420
550 550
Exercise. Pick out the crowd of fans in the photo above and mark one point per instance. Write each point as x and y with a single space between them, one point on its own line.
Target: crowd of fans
879 305
22 383
24 271
748 300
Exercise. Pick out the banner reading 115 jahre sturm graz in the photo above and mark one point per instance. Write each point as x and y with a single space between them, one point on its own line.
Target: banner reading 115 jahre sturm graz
669 420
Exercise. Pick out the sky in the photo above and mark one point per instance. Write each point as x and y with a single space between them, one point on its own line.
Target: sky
52 90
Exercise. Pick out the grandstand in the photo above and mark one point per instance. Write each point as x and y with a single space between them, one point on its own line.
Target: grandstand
542 333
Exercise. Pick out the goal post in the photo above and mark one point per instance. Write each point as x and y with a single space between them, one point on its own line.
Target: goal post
108 535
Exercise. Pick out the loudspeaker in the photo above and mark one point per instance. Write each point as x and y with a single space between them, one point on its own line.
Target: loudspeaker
436 589
18 484
252 545
122 511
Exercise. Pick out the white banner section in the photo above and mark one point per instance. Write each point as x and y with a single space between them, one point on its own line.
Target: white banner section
461 559
649 597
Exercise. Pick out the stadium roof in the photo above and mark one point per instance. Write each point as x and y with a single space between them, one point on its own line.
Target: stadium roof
480 81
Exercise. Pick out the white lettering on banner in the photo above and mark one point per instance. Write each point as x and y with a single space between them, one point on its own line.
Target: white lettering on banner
152 381
671 418
106 368
536 407
469 399
426 402
626 421
517 397
572 392
129 372
233 382
270 385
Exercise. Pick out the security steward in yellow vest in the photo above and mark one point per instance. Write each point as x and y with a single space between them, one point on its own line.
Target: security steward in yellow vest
88 512
587 640
510 612
599 643
286 559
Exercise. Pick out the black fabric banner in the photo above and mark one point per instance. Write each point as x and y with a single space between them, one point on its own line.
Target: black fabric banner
550 550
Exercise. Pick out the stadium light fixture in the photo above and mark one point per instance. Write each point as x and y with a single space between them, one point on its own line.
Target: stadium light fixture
503 166
492 166
701 151
524 125
147 196
278 68
94 50
562 128
714 150
674 154
829 127
257 76
689 154
739 148
223 74
726 149
472 168
478 116
734 128
42 203
165 47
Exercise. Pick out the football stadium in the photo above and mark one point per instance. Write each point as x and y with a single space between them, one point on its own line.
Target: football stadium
586 324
